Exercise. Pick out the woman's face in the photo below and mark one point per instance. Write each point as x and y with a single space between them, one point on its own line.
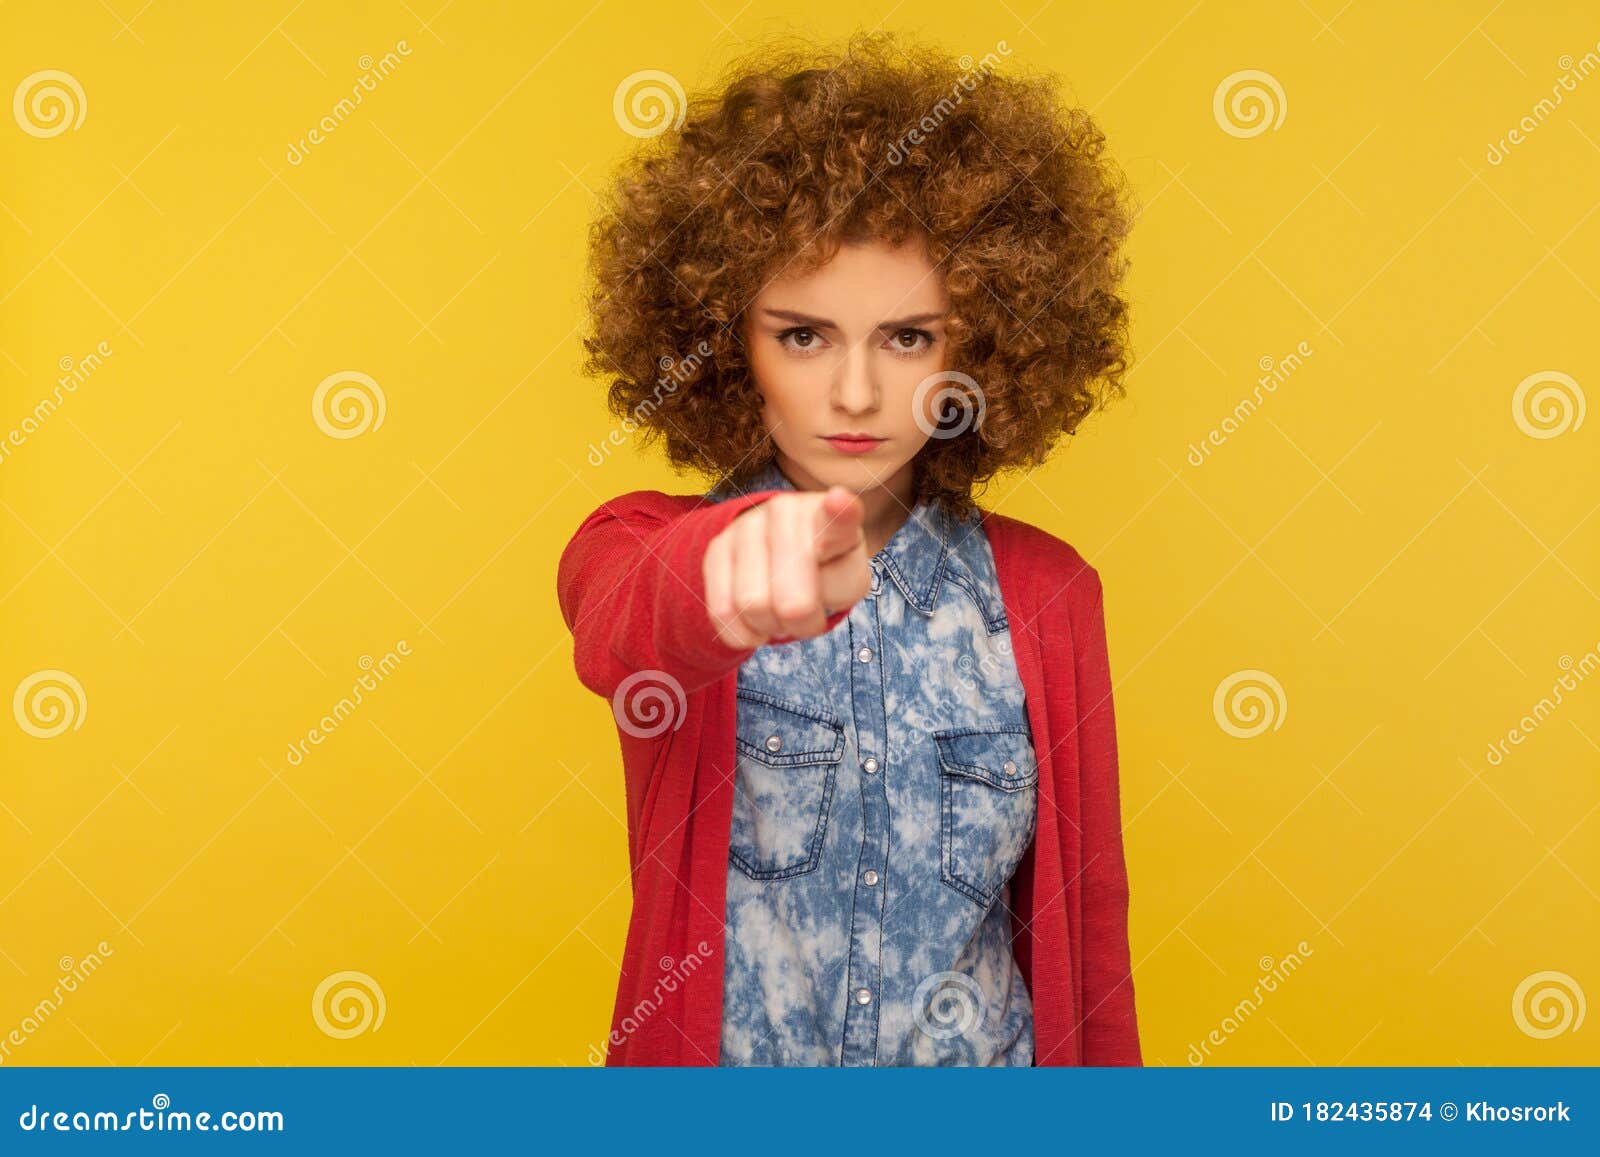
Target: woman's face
838 356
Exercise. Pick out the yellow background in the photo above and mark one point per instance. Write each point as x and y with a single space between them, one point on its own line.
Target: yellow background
184 540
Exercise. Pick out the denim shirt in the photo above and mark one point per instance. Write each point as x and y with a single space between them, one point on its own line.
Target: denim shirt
885 791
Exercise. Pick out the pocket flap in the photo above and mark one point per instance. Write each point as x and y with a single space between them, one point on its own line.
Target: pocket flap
1001 757
782 735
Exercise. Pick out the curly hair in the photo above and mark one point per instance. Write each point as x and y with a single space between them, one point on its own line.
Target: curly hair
800 151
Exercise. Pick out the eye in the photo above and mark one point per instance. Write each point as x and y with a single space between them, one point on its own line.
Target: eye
801 340
911 342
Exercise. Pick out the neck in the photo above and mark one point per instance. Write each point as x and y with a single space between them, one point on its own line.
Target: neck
887 505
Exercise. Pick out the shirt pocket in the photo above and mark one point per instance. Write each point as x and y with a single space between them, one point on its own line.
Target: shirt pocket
787 758
988 782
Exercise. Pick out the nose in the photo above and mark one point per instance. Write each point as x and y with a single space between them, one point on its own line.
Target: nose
855 383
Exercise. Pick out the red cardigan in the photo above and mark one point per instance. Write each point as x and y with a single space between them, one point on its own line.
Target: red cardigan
632 593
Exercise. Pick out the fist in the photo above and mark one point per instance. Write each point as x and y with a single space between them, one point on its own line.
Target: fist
784 565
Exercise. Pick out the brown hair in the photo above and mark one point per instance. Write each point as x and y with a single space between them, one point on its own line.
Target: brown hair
799 151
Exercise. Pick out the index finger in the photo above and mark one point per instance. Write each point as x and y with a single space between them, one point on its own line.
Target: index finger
839 520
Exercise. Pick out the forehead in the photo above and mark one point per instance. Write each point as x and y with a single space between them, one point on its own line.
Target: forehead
869 280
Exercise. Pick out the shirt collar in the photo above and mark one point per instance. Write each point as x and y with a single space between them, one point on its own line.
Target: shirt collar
914 557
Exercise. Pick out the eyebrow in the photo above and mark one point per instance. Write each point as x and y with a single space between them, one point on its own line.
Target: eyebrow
823 323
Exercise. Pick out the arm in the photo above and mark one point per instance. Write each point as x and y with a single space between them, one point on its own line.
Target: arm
632 591
1110 1028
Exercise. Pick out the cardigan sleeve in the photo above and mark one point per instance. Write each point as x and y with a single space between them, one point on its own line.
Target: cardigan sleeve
1110 1028
632 590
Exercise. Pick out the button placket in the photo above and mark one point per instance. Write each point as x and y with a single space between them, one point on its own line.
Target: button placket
865 963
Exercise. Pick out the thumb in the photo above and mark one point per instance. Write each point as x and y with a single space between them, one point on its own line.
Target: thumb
840 515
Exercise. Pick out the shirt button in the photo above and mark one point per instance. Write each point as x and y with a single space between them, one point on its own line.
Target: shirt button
774 742
869 877
869 764
863 996
864 654
1009 767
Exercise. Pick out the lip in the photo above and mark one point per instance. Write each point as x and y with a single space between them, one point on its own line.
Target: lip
854 443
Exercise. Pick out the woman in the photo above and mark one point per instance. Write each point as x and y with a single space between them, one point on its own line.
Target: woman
866 725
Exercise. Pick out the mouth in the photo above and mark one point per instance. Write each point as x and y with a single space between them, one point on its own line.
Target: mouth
854 443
